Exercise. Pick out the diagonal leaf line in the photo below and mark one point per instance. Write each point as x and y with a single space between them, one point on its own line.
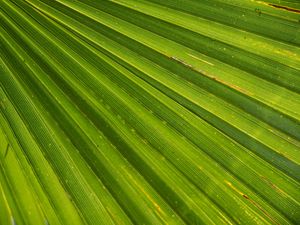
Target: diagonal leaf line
131 112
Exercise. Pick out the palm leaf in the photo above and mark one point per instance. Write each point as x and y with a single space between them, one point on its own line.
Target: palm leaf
150 112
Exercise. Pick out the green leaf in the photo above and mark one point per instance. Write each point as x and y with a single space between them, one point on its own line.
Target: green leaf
149 112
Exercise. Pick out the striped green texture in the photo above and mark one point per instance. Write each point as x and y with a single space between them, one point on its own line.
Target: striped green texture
149 112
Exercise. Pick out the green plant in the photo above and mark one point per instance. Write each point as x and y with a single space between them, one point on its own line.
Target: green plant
149 112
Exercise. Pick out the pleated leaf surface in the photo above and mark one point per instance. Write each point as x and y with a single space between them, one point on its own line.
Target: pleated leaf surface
149 112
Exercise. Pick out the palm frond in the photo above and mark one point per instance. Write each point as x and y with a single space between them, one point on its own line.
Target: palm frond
150 112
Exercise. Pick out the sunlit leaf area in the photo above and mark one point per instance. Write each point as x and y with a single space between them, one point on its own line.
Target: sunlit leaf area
149 112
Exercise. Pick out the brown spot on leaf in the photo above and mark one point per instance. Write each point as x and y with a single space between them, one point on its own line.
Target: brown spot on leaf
261 209
210 76
285 8
252 202
181 61
273 186
235 87
245 196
